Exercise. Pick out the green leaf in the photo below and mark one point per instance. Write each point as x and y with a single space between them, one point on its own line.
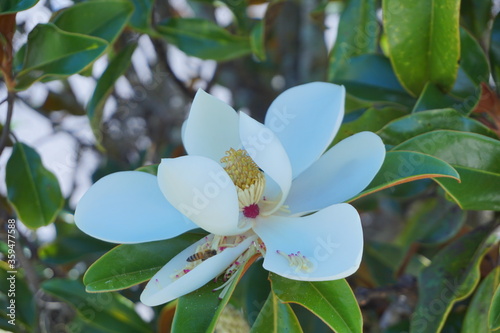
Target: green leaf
451 276
257 41
130 264
432 221
475 157
433 98
103 310
370 77
371 120
141 17
14 6
382 260
357 34
423 39
494 313
15 287
405 128
473 69
33 190
495 50
52 53
475 15
105 85
204 304
404 166
151 169
99 18
332 301
204 39
476 318
276 317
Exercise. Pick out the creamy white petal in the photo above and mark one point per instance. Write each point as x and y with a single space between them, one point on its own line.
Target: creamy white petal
264 147
202 190
340 174
211 128
163 287
331 240
128 207
306 118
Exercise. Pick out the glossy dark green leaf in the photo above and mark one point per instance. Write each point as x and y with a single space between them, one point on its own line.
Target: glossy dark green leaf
99 18
432 221
433 98
204 39
15 287
332 301
371 120
14 6
103 310
494 312
357 34
105 85
276 317
495 50
130 264
473 69
451 276
423 39
476 318
141 17
370 77
405 128
205 304
257 39
53 53
32 190
475 15
404 166
475 157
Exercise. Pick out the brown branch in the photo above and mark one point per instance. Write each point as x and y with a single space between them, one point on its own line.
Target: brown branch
6 128
163 61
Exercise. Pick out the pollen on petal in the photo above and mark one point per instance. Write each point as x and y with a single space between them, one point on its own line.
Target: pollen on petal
251 211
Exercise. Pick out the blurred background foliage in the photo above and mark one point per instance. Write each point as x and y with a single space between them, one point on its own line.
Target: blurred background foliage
113 81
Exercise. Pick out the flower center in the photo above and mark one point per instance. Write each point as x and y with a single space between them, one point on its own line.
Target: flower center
248 179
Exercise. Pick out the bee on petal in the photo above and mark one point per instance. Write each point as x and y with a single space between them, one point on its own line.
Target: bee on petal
203 255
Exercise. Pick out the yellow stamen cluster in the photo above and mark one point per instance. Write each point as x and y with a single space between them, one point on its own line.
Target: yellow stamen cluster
246 176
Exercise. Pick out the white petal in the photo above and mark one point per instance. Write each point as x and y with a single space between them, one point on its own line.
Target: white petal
264 147
211 128
340 174
163 288
202 190
306 118
331 239
128 207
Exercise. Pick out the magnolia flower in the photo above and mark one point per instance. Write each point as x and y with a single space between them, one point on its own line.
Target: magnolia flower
259 189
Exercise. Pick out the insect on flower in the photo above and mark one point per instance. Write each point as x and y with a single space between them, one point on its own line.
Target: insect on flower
203 255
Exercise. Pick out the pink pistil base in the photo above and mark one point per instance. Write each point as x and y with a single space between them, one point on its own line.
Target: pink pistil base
251 211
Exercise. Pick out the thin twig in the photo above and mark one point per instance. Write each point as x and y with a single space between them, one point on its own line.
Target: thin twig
6 128
162 56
